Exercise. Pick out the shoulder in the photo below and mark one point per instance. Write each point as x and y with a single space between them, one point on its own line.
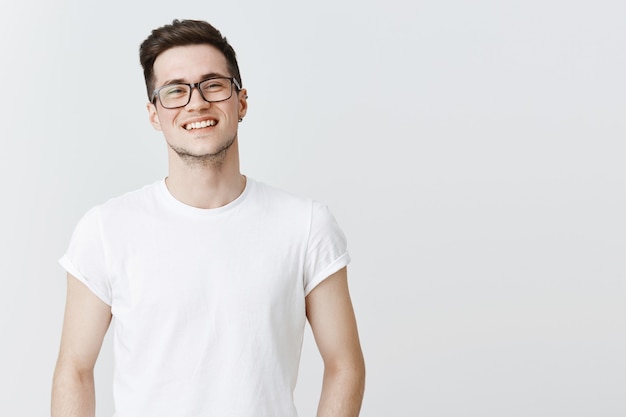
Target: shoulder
270 191
125 205
131 200
276 197
288 205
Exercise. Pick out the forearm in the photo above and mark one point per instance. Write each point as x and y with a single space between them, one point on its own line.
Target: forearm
342 391
73 394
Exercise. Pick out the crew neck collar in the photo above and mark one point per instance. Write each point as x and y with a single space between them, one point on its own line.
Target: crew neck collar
183 208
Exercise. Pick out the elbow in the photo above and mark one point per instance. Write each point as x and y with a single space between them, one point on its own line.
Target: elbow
69 373
352 368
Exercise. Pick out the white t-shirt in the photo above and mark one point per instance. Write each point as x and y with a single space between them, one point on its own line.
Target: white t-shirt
208 304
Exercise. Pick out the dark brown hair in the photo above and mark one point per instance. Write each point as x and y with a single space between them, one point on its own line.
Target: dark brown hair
183 33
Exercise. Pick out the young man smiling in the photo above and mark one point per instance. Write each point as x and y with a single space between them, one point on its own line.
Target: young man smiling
210 275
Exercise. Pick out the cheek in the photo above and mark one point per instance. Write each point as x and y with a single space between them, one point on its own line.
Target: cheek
164 120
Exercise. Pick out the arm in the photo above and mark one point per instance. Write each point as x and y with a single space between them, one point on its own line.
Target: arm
329 311
87 319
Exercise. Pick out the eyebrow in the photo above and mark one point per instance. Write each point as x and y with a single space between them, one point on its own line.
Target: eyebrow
202 78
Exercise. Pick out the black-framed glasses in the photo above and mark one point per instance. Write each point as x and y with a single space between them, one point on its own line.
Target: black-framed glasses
211 90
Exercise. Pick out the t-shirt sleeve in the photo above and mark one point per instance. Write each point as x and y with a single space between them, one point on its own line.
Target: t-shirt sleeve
326 250
85 258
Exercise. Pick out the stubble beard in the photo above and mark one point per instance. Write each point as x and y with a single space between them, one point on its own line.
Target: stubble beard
211 160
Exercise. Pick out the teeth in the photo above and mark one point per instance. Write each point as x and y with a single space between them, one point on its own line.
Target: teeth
199 125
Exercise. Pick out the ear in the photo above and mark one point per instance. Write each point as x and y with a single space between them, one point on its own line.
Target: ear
243 102
153 116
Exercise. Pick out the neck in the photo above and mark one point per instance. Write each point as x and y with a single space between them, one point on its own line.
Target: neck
205 185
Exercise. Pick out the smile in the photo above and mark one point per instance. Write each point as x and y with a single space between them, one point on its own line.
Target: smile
200 125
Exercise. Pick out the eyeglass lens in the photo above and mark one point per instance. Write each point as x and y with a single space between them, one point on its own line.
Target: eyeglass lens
212 90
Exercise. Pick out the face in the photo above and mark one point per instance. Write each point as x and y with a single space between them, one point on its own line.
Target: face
200 129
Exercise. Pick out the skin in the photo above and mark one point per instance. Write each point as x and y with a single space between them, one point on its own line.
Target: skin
204 172
203 163
331 316
87 319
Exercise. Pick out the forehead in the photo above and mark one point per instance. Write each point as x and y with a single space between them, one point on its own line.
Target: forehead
189 63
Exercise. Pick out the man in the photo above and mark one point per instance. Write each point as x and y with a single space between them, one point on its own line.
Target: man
209 275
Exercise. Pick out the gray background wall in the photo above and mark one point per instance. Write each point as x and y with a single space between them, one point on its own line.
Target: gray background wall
472 151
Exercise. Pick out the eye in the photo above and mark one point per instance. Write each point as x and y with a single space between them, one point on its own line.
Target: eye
214 85
174 90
